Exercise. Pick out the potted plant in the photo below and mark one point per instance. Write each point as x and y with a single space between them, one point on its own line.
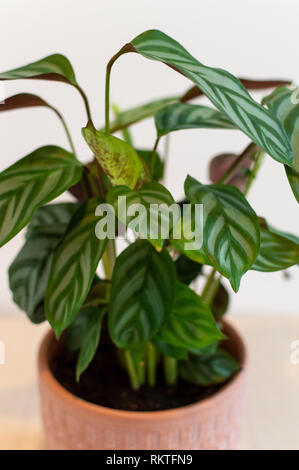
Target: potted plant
136 359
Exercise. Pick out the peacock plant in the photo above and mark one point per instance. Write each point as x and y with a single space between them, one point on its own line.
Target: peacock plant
145 300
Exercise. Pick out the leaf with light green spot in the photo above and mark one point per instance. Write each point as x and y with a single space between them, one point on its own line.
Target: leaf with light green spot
142 292
190 323
90 339
231 236
118 159
73 267
278 250
224 90
32 182
152 204
189 116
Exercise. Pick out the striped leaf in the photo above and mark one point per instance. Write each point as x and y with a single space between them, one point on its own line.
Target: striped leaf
73 267
230 228
90 338
32 182
208 369
278 250
53 67
190 323
29 272
189 116
118 159
169 350
139 113
224 90
142 292
281 106
146 210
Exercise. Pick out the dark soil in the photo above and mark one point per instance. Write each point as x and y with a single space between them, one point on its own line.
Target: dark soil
106 383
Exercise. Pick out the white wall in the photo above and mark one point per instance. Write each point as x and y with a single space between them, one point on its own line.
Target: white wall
255 39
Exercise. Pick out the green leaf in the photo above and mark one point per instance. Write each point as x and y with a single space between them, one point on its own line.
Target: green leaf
169 350
73 268
278 250
138 113
118 159
187 269
281 106
224 90
208 369
29 272
142 293
32 182
190 323
53 67
90 339
159 165
189 116
99 294
230 228
74 333
150 222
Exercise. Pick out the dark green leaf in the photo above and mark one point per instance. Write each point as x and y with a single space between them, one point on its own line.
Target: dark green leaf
151 218
90 339
159 165
29 272
142 293
208 369
230 228
190 323
278 250
224 90
169 350
73 268
99 294
189 116
118 159
53 67
187 269
74 333
31 182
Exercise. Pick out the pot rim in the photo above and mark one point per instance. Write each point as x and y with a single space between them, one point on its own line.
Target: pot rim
50 381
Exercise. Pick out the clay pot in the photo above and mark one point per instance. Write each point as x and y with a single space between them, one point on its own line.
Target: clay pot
72 423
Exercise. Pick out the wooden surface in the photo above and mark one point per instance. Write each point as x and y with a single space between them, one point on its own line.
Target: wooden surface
271 419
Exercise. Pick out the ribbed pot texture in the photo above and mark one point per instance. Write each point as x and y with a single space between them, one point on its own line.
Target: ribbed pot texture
72 423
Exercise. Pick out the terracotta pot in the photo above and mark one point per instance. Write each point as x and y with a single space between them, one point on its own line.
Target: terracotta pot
72 423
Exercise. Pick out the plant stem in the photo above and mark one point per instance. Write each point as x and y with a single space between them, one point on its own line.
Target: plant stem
237 163
85 102
131 370
123 50
209 287
108 258
170 370
166 157
151 364
255 169
154 155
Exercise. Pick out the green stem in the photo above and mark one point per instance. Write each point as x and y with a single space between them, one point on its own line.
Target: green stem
255 170
170 370
131 370
108 258
208 286
154 155
237 163
166 157
66 129
123 50
151 364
